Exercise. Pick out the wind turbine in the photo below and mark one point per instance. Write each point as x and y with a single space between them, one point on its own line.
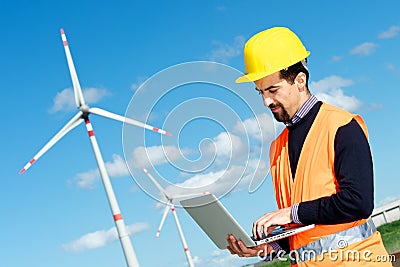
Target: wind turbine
83 115
170 205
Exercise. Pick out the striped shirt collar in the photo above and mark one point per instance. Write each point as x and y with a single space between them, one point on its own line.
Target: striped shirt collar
303 110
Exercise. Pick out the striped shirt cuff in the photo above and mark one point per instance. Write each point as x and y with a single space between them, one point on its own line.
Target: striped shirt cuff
275 249
275 246
295 215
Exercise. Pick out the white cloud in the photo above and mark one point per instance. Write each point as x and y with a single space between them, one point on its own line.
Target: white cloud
364 49
216 253
233 163
330 82
115 168
261 127
64 100
337 58
390 67
224 52
224 162
102 238
219 259
94 95
329 90
196 260
155 155
226 145
136 228
237 177
393 68
215 182
223 259
337 98
393 31
201 180
88 179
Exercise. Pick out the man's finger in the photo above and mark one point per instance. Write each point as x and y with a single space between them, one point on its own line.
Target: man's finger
233 244
248 252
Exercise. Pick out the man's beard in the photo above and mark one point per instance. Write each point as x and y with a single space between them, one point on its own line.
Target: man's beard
282 115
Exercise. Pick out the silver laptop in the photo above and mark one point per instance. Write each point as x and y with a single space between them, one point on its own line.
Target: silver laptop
217 222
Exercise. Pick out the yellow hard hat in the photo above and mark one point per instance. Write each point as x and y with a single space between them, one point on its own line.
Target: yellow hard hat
270 51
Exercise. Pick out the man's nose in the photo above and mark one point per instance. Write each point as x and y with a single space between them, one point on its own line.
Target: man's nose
267 100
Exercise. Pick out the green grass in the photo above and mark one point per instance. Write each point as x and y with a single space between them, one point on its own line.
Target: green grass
390 236
278 263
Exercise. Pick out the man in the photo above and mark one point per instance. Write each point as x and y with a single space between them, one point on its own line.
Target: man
321 164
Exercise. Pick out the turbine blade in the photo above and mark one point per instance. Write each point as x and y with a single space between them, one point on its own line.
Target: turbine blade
162 190
75 121
167 207
117 117
79 100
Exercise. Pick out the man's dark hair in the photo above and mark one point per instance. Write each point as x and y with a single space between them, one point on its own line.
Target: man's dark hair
290 73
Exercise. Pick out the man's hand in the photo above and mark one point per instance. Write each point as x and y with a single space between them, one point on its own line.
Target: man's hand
278 217
239 248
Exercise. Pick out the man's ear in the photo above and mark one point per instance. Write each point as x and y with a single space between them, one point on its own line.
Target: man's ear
300 81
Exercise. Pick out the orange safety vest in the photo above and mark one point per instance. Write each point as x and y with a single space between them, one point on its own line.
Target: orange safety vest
315 178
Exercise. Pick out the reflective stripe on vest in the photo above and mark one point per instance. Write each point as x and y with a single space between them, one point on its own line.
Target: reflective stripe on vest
334 241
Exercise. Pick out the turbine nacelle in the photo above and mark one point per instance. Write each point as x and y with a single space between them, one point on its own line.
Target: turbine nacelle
85 109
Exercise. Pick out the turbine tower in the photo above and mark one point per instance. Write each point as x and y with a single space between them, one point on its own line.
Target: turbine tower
83 115
170 205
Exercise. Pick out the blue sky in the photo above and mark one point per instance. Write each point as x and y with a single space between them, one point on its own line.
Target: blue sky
57 214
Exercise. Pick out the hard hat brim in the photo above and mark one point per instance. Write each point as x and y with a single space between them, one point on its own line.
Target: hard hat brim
251 77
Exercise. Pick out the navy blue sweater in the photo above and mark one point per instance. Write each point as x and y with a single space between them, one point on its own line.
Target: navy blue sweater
353 169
